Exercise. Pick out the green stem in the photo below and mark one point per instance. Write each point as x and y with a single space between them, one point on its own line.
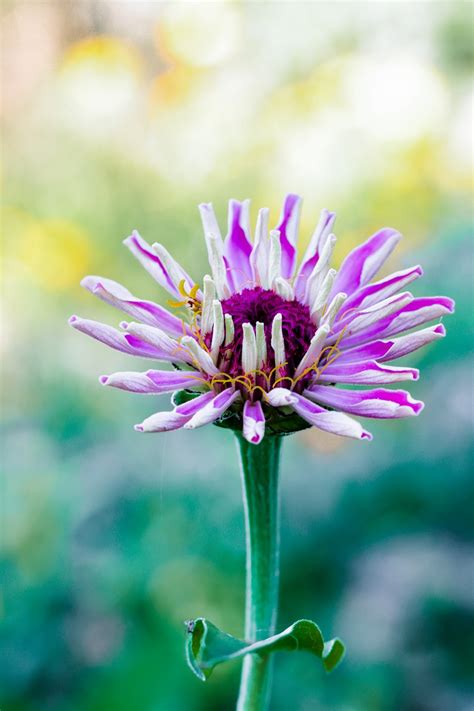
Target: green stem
260 467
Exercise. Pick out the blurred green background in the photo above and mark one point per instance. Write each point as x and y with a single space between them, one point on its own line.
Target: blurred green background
120 115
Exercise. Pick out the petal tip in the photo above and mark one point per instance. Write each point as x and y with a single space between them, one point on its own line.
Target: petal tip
103 379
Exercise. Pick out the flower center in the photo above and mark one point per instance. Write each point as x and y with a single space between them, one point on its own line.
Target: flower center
253 305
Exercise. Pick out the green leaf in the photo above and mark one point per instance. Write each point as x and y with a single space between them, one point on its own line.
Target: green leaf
207 646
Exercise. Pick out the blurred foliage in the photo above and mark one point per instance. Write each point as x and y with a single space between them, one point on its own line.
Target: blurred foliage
126 115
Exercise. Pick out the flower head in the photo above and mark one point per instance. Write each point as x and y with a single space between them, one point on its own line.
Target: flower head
263 344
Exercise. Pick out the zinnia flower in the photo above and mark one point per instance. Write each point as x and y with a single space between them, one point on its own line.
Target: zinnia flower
261 339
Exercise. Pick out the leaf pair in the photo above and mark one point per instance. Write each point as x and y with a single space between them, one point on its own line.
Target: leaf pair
207 646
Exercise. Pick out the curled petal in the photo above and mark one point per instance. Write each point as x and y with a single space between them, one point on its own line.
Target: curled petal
213 409
335 422
288 229
380 290
237 245
311 257
254 422
116 339
177 418
148 312
281 397
365 373
378 403
199 357
153 381
364 261
387 350
170 349
151 262
410 315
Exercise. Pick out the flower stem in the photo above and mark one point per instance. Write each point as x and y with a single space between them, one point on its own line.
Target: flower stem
260 468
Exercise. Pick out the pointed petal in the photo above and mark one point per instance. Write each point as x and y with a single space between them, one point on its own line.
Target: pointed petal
378 403
237 246
148 312
115 339
170 349
260 250
365 320
365 373
288 229
410 315
310 259
177 418
254 422
364 261
335 422
387 350
200 358
151 262
213 409
380 290
153 381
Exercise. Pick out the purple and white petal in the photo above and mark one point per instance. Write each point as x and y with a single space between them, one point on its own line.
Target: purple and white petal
310 259
360 321
151 262
237 246
254 422
148 312
364 261
213 409
170 349
365 373
412 314
334 422
176 272
288 229
200 358
281 397
387 350
177 418
153 381
380 290
378 403
115 339
260 251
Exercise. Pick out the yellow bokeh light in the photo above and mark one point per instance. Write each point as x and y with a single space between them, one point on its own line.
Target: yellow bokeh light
198 33
53 253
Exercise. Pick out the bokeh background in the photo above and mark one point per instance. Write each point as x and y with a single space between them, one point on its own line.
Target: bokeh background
120 115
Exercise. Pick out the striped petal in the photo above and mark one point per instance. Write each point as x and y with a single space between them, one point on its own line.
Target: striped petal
288 229
116 339
380 290
335 422
177 418
153 381
364 261
170 350
237 246
254 422
415 313
213 409
378 403
387 350
311 257
151 262
365 373
148 312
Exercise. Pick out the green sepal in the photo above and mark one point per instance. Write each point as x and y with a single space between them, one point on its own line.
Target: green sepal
277 422
207 646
